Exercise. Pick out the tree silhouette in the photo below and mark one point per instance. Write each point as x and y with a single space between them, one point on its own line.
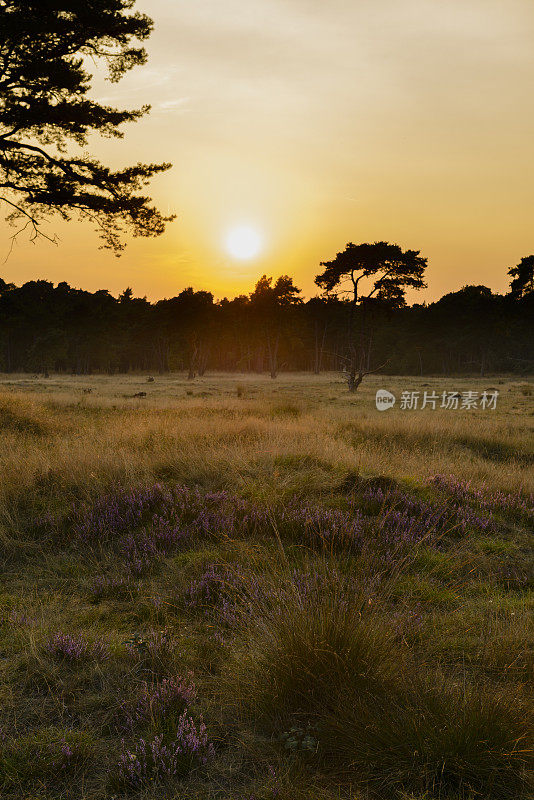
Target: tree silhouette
186 326
388 271
270 305
45 48
46 328
478 324
522 285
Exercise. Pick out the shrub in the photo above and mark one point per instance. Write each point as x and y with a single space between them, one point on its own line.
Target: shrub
159 704
155 651
216 584
157 760
312 642
434 737
68 647
464 496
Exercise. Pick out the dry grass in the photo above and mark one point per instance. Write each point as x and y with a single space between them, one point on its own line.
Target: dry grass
457 616
281 433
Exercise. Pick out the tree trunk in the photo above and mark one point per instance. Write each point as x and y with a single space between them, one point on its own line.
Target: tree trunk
192 364
354 380
319 348
273 355
202 360
355 364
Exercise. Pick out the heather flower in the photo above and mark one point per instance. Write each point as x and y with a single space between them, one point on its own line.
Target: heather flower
145 525
142 551
157 760
125 511
150 523
118 513
226 593
404 517
216 584
68 647
66 754
159 701
499 502
16 617
315 525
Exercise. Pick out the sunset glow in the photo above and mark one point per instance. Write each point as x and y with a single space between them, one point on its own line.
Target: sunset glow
243 242
323 123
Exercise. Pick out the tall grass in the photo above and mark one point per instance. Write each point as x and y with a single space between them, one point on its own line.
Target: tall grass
326 660
307 645
332 658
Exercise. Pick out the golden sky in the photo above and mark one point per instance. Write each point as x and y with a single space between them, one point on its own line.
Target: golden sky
318 122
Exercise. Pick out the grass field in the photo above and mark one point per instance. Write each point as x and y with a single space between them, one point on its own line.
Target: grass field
246 589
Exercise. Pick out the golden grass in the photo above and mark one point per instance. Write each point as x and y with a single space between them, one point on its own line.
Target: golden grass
296 434
268 440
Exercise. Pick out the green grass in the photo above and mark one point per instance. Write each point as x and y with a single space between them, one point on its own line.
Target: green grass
322 670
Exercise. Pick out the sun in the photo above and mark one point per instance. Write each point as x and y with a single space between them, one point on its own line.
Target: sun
243 242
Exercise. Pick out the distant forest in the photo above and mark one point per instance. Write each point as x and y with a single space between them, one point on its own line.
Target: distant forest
45 328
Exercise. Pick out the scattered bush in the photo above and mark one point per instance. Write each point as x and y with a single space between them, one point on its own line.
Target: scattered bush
158 704
309 645
147 762
74 647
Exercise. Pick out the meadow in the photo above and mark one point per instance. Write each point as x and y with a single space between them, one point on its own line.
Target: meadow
234 588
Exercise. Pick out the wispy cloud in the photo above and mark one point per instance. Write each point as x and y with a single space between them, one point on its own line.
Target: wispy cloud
178 104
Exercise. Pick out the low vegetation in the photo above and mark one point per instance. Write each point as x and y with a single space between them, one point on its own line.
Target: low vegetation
238 591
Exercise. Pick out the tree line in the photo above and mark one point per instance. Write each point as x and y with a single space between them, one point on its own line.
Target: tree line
45 328
360 323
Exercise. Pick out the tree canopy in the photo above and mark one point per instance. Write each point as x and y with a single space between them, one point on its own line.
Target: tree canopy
46 51
389 269
386 271
47 328
270 304
522 284
284 293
